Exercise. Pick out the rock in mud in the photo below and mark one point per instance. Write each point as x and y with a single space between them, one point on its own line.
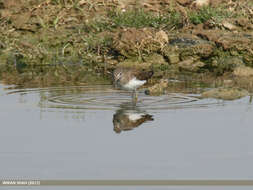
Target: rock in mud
153 60
128 63
190 65
12 4
201 3
158 88
244 23
183 46
242 43
19 21
225 93
216 3
161 37
134 42
224 64
184 2
243 71
229 26
173 58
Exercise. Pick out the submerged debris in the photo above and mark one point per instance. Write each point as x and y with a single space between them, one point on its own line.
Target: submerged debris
243 71
190 64
158 88
225 93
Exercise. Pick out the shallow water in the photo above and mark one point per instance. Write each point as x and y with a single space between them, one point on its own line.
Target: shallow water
97 132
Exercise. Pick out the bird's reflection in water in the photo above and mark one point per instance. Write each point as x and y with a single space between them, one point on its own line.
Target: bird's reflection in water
128 117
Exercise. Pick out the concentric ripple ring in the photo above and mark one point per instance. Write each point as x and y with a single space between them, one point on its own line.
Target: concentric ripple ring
105 97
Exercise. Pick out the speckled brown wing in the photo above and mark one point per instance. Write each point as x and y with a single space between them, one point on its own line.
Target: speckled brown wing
143 75
144 119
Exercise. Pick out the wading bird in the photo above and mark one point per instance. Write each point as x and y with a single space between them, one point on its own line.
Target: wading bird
131 79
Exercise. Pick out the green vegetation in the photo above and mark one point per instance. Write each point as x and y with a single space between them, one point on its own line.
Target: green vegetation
98 44
207 13
141 18
99 34
133 19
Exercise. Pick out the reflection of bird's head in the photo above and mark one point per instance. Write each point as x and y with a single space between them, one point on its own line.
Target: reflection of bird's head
117 128
116 124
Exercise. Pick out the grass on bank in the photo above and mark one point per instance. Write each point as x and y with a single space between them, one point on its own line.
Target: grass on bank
206 13
172 19
140 19
83 38
134 19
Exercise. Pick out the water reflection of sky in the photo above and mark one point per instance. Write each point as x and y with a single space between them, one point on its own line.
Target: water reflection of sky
200 142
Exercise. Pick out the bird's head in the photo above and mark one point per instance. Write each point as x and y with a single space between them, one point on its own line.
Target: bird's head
117 75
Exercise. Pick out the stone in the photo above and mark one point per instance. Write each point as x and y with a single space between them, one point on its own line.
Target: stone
132 42
158 88
228 40
173 58
153 60
228 26
19 20
161 37
242 22
189 45
225 93
134 64
190 64
201 3
241 42
217 3
184 2
243 71
223 64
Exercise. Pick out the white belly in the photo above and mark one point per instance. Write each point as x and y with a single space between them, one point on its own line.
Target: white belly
134 116
134 84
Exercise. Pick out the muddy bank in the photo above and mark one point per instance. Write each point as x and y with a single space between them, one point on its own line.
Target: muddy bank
64 42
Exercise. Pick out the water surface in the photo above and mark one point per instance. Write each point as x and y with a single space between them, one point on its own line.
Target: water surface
97 132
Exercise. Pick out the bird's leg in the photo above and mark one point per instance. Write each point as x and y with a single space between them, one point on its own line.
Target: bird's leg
135 96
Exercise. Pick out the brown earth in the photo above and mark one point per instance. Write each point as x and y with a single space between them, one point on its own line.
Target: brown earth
35 33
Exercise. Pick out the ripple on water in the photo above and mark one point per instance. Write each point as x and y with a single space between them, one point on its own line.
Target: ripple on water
105 97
